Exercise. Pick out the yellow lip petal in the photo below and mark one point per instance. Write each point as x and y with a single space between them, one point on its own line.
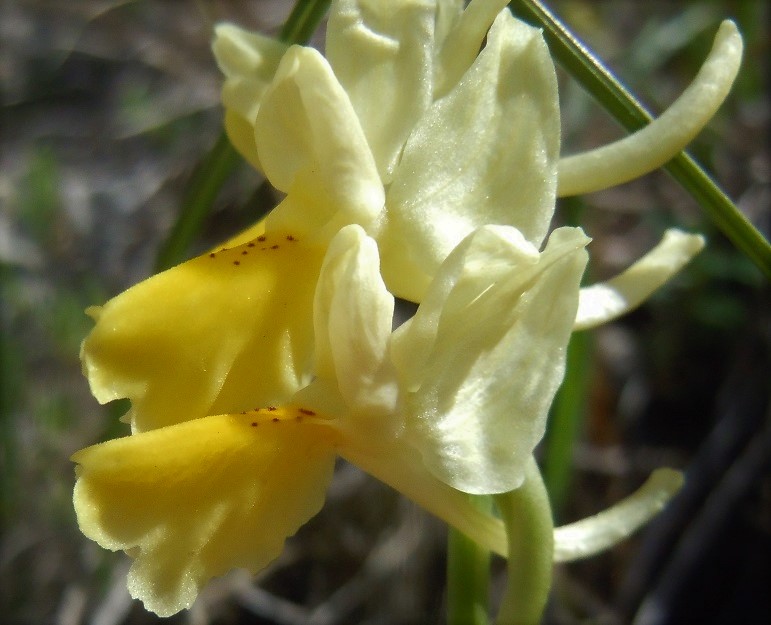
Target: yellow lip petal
193 500
221 333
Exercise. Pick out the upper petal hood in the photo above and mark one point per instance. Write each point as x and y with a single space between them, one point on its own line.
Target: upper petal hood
486 153
458 43
382 54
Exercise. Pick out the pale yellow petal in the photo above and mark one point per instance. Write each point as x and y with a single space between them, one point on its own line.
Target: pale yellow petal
240 52
249 62
602 531
484 154
382 54
191 501
241 134
220 333
489 254
447 14
463 42
605 301
311 146
661 140
483 392
352 313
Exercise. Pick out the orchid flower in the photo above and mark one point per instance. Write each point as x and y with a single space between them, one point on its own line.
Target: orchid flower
437 136
414 165
440 407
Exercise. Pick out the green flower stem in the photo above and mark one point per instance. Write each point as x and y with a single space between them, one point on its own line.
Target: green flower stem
632 115
468 575
218 165
529 527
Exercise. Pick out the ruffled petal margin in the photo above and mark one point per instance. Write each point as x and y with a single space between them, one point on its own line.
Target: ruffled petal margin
479 393
191 501
188 342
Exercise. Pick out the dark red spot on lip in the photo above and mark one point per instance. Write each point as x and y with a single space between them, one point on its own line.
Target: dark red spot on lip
261 238
250 244
244 253
254 424
289 237
274 247
236 262
275 420
305 411
212 255
272 408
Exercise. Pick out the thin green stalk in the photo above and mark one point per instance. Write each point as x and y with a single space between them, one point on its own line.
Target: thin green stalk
530 531
218 165
468 576
587 69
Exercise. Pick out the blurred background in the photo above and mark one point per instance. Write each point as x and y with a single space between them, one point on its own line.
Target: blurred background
108 106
